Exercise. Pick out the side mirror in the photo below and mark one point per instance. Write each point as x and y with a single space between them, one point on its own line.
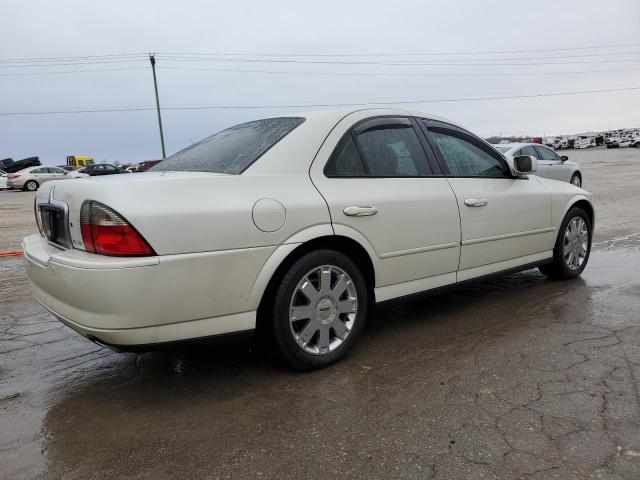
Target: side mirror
525 164
564 158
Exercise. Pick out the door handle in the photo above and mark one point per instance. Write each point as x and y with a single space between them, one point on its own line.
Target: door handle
476 202
355 211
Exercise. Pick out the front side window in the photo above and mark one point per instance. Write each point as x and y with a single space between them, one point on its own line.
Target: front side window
465 159
393 151
233 150
547 154
529 151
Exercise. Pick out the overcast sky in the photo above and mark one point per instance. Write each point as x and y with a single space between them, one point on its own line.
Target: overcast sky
41 29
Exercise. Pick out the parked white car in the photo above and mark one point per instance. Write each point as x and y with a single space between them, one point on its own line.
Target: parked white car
3 180
550 164
31 178
296 226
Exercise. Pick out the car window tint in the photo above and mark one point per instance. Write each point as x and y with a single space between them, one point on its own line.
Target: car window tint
529 151
547 154
345 160
55 170
464 159
233 150
38 170
393 151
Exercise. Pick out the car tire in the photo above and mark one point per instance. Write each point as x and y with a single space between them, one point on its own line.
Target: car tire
31 186
319 309
573 246
576 180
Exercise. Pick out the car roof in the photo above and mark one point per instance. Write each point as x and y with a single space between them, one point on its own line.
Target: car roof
338 114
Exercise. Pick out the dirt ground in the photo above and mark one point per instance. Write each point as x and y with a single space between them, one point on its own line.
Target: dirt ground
518 377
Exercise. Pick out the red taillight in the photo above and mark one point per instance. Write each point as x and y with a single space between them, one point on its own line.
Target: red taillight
14 175
106 232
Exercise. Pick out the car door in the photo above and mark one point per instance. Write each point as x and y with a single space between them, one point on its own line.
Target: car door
554 167
505 220
40 174
55 173
383 189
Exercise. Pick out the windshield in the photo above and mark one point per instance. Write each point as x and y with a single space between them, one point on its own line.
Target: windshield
502 149
233 150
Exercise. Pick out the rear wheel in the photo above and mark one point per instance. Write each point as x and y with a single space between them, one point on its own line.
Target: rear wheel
576 180
31 186
319 309
573 246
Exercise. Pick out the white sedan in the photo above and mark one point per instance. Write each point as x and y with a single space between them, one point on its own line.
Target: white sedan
31 178
296 226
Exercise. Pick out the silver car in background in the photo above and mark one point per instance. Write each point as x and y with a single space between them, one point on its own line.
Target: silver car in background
31 178
550 164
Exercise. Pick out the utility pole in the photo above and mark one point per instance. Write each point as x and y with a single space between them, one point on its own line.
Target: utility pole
152 59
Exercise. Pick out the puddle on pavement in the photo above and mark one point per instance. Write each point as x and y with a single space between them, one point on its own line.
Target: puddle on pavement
104 412
613 277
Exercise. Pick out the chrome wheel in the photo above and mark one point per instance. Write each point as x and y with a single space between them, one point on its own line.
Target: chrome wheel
576 181
323 309
32 186
576 243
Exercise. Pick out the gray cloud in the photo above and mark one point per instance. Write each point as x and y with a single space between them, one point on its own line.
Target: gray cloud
77 28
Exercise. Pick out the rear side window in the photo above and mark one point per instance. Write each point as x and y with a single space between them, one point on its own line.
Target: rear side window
233 150
345 160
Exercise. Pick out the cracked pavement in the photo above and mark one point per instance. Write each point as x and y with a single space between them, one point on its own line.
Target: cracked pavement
517 377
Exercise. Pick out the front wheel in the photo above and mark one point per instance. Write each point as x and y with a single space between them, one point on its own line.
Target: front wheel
576 180
319 309
573 246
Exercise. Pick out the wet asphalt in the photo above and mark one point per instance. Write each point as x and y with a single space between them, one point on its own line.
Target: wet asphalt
517 377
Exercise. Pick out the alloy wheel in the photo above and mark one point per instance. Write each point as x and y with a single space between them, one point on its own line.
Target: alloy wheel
576 243
576 181
323 309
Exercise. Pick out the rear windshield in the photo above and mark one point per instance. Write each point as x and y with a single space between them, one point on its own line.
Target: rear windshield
230 151
502 149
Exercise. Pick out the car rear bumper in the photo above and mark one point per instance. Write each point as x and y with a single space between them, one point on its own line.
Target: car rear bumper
145 300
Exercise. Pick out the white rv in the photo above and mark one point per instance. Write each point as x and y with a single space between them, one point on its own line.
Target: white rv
588 142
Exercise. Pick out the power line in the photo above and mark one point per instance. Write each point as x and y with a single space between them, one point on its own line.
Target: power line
206 56
326 105
86 57
38 65
27 74
390 63
380 54
338 74
398 74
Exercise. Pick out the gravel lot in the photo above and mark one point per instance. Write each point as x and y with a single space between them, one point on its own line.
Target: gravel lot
518 377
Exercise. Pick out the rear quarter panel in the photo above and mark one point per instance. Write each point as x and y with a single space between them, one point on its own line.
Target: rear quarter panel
191 212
